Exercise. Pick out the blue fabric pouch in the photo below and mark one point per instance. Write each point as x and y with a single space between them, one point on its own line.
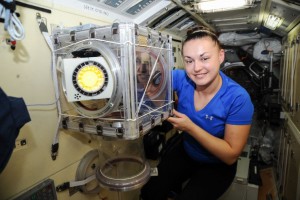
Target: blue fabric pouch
13 116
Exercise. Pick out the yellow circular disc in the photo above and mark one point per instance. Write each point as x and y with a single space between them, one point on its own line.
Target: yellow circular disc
90 78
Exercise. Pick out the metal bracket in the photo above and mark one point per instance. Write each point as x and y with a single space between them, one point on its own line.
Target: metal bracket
42 22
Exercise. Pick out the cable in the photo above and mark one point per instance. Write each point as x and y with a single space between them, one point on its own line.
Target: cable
11 22
43 104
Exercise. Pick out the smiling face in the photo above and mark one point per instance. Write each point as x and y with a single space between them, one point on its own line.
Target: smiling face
202 58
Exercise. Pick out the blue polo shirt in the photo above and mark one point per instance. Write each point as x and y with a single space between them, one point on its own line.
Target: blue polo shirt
231 105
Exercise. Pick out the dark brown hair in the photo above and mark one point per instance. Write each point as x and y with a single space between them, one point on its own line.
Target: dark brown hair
200 32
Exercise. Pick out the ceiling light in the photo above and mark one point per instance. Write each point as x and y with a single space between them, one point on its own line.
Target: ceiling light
231 19
273 22
232 24
233 29
207 6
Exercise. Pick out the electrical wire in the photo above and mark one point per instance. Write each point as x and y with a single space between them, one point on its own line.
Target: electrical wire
43 104
11 22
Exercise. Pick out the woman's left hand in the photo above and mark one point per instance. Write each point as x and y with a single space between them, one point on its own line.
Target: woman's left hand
180 121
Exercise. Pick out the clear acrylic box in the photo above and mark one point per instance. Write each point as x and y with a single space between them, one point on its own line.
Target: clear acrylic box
114 80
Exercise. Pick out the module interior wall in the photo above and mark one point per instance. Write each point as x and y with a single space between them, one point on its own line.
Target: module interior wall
26 73
295 115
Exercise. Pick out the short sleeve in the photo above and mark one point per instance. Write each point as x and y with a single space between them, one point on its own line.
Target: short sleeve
241 110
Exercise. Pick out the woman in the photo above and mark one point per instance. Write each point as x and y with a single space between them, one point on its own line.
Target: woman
215 114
